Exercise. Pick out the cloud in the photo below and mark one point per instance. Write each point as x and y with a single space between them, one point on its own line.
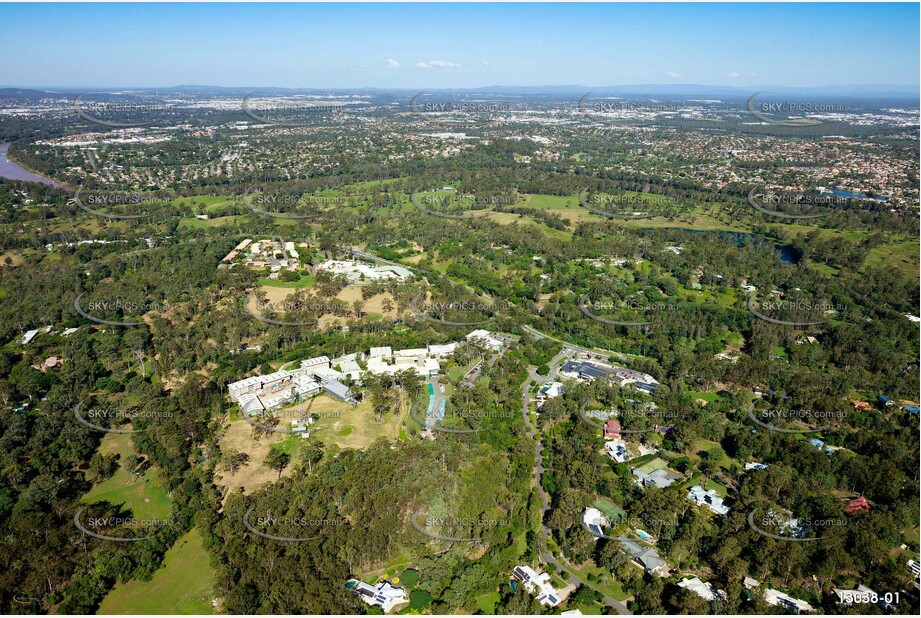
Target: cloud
733 75
486 63
674 75
437 64
391 63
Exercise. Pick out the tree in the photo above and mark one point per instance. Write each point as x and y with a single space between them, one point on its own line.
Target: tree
312 453
278 460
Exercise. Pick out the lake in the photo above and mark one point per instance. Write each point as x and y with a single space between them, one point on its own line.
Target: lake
852 195
14 171
787 254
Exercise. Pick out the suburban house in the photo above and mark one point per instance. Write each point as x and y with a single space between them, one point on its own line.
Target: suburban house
707 497
550 390
595 521
537 584
778 598
617 450
655 473
645 557
858 504
612 429
383 595
704 590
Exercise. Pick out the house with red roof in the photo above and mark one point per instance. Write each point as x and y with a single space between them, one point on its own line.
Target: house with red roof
612 430
858 504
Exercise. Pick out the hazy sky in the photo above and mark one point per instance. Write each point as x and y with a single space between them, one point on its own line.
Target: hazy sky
439 45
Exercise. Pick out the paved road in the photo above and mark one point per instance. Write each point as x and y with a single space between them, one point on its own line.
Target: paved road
538 472
575 348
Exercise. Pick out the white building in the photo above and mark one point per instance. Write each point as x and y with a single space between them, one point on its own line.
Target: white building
410 354
595 521
617 450
550 390
355 271
312 365
701 497
486 338
779 599
29 336
537 584
382 352
424 367
442 351
704 590
383 595
257 394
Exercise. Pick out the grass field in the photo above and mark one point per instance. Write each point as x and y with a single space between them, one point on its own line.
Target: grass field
603 580
183 585
144 494
306 281
356 426
486 603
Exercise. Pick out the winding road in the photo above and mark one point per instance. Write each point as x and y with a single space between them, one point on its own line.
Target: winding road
545 553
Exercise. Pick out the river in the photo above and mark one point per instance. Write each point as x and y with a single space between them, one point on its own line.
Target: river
14 171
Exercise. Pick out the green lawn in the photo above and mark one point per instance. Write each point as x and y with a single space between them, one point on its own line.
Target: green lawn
144 494
306 281
486 603
605 582
183 585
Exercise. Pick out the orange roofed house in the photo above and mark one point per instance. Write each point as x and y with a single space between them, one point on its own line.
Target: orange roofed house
858 504
612 429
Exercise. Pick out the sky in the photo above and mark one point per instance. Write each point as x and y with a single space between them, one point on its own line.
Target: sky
454 45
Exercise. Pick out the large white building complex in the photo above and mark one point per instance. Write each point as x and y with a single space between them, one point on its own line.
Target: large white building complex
258 394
